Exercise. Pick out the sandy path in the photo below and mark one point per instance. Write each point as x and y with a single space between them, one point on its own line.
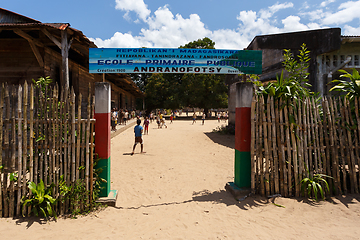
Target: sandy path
176 191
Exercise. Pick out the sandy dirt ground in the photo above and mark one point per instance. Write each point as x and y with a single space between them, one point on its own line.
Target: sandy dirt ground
176 191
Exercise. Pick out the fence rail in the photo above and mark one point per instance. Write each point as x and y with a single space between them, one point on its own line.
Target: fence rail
43 138
291 141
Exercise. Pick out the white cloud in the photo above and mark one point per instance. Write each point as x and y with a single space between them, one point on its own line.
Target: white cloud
138 6
292 24
325 3
348 11
350 31
164 29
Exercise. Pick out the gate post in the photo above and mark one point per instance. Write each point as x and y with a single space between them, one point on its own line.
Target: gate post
244 94
102 132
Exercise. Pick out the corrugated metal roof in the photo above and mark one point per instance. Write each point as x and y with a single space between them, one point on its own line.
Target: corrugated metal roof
349 39
7 16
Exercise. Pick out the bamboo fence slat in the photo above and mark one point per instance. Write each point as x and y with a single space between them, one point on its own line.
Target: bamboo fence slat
358 131
38 138
252 151
1 149
269 140
342 147
293 140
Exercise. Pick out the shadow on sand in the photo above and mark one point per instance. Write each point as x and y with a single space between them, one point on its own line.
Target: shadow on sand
226 140
224 197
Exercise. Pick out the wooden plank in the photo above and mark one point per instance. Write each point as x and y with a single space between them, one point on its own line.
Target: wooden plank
256 145
281 143
322 159
2 171
7 132
350 148
25 143
311 138
253 136
269 137
299 139
31 142
340 132
288 148
294 154
51 37
261 159
335 152
266 147
92 148
353 145
46 136
13 153
57 146
87 148
274 148
329 140
305 129
37 54
21 33
78 146
357 115
73 133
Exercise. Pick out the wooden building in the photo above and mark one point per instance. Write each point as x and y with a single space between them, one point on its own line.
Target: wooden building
329 51
30 49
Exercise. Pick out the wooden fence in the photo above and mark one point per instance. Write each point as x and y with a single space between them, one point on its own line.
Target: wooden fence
292 141
43 138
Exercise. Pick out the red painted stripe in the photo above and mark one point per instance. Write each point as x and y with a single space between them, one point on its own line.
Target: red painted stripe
102 135
243 129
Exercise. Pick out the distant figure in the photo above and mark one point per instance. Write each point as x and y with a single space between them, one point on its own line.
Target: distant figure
218 116
138 129
126 115
203 118
113 119
158 120
163 123
194 118
171 118
146 125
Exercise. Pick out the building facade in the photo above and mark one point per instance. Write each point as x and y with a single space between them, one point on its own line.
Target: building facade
30 49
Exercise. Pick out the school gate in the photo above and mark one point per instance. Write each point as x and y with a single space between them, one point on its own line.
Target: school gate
176 60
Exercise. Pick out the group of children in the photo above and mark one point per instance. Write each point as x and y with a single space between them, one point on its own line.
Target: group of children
138 130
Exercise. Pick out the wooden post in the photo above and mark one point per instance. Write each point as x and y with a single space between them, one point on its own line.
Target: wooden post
244 92
65 59
102 132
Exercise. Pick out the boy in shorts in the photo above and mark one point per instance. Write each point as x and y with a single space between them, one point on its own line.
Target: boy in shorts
138 129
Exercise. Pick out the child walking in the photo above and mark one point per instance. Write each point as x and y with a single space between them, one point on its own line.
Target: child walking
146 125
138 129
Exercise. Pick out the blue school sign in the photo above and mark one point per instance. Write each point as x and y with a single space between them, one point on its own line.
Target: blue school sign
174 60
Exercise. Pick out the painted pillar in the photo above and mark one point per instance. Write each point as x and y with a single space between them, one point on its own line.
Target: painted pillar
102 132
244 94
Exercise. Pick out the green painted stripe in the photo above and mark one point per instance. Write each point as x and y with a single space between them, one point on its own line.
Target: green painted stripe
242 176
104 165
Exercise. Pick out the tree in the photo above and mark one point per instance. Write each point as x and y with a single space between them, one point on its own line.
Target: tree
204 90
174 91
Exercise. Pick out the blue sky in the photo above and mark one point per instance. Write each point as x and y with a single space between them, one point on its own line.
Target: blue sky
231 24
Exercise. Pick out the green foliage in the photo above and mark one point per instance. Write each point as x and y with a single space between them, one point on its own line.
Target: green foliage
41 200
295 85
174 91
97 179
205 43
13 177
42 82
77 195
351 88
315 186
